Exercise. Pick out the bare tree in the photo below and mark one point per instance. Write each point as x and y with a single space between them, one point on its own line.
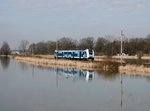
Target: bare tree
66 43
42 47
148 36
86 43
5 49
23 45
100 45
109 38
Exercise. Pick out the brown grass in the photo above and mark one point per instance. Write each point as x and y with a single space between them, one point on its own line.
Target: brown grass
101 63
46 62
135 70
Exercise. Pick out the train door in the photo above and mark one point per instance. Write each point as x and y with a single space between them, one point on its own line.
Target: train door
73 54
80 54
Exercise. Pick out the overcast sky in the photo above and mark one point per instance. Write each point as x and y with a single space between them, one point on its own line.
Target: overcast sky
38 20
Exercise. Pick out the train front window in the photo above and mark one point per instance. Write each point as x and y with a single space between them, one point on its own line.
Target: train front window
90 52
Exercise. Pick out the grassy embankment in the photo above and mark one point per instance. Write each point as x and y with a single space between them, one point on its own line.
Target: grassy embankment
49 61
101 63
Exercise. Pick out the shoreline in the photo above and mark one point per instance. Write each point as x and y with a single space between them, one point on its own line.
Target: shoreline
46 62
127 69
134 70
110 65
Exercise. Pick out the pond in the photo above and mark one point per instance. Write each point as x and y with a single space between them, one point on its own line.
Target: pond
25 87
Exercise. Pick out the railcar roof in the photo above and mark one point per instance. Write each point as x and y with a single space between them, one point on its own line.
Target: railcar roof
72 50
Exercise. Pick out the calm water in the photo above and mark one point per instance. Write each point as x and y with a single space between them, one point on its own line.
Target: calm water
26 87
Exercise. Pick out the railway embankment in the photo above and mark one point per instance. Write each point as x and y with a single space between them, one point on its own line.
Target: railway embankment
103 64
50 62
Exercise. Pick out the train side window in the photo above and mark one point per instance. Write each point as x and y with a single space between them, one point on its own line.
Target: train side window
75 54
65 53
69 53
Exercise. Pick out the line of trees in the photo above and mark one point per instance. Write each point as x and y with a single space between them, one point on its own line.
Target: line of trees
101 46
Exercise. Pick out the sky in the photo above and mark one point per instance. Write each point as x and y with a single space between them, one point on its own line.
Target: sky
42 20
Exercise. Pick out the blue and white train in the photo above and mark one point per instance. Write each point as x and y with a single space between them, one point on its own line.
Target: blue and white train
75 54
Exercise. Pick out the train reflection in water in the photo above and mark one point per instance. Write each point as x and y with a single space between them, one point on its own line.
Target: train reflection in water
75 73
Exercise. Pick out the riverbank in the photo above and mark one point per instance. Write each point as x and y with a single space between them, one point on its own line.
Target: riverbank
47 62
110 65
135 70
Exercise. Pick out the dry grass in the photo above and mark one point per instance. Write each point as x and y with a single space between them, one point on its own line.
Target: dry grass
46 62
135 70
125 57
101 63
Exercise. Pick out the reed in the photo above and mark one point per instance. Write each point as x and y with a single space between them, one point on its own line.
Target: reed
135 70
107 65
46 62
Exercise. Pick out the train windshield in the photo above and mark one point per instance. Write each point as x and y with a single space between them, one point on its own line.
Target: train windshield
90 52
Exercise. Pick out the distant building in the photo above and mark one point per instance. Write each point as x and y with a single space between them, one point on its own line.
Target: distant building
15 52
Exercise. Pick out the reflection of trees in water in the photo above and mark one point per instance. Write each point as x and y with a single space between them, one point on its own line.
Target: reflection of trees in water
23 66
109 70
148 78
5 61
35 67
42 67
107 75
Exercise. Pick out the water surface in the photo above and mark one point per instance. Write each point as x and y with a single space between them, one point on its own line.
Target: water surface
25 87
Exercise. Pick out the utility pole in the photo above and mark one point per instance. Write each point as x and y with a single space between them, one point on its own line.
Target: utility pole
56 48
121 79
121 45
33 49
56 44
